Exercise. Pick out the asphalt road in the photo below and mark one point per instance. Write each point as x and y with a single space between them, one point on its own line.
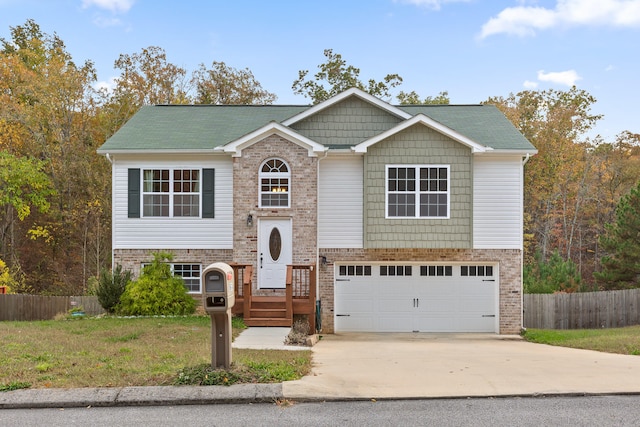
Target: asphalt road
601 411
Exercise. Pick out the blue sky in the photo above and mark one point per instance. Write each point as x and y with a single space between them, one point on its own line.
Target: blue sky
473 49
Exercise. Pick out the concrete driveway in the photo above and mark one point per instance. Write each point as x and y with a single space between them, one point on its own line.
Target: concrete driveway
357 366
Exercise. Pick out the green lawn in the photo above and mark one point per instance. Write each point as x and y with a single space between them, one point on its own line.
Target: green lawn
617 340
115 352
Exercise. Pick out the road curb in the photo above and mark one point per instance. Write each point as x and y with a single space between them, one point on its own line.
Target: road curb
140 396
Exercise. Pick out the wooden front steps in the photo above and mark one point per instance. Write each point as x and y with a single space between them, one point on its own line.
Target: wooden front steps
268 311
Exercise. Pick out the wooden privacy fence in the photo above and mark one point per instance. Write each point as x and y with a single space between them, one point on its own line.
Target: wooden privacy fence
583 310
39 307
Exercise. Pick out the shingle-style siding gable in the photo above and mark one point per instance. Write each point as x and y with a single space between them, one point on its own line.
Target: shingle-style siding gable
346 123
418 145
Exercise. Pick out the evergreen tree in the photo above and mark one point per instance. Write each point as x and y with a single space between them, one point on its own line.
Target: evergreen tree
621 267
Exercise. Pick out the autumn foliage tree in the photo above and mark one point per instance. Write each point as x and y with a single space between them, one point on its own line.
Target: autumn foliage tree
48 113
222 84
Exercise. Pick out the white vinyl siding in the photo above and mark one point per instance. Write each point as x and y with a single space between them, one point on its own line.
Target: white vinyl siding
180 232
340 203
497 202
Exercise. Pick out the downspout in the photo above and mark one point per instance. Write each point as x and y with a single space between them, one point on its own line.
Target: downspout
326 152
108 156
524 162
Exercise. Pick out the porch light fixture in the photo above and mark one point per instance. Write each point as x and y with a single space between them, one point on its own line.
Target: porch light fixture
249 220
323 260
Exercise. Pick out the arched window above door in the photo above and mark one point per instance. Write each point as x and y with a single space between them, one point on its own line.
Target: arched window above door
275 179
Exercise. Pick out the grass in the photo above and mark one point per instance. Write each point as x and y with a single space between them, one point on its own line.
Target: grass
117 352
616 340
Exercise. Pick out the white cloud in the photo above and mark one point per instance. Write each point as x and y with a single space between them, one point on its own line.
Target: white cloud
115 6
528 84
567 78
526 20
610 67
107 86
431 4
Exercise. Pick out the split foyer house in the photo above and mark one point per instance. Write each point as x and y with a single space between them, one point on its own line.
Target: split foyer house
376 217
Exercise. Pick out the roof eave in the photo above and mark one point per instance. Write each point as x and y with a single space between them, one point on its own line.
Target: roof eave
235 147
429 122
159 151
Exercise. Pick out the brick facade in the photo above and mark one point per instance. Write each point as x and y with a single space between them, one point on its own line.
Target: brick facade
303 196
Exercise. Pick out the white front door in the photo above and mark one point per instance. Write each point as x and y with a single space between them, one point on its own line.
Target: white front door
274 252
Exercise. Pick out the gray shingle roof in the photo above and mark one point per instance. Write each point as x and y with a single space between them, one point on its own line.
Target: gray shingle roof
484 124
204 127
193 127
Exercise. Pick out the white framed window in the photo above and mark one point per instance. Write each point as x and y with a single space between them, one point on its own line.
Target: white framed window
190 273
275 180
171 193
417 191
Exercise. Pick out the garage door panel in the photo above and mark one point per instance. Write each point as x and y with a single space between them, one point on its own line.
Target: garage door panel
394 322
441 322
355 323
405 298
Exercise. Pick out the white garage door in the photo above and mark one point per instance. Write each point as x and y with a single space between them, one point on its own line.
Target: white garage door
416 297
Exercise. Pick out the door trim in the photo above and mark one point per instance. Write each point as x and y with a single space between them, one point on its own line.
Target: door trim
272 273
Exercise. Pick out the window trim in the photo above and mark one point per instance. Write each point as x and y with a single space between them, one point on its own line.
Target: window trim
262 175
173 264
417 193
171 193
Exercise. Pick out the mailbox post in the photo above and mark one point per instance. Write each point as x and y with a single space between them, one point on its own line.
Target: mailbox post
218 299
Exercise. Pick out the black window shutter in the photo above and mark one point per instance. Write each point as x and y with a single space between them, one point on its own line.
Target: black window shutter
208 190
134 193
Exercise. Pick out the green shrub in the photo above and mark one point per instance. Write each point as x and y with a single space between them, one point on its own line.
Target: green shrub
111 286
553 275
156 292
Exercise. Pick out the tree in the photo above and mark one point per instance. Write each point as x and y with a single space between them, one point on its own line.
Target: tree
412 98
549 276
111 286
222 85
621 267
149 79
556 179
339 77
50 112
23 186
156 292
146 78
6 280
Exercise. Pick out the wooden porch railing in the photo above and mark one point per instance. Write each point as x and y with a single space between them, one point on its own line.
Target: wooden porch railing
299 298
243 274
301 292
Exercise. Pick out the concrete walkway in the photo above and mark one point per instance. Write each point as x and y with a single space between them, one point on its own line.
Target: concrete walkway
265 338
386 366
